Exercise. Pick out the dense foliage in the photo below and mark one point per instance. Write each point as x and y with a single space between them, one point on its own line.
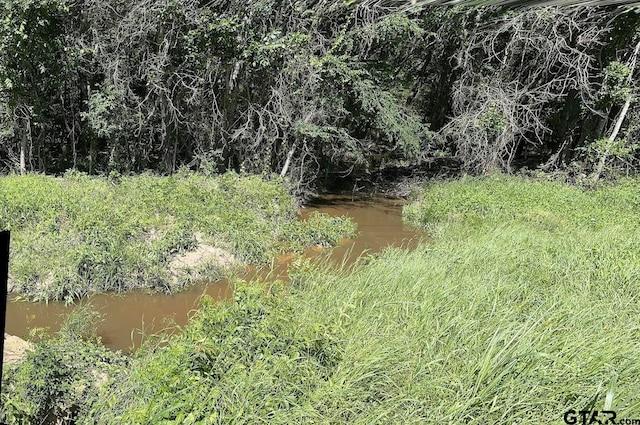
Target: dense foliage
79 234
523 304
253 360
305 88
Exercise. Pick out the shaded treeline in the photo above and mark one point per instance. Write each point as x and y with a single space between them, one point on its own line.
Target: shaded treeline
300 88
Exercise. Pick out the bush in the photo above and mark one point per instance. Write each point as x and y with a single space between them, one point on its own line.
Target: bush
248 361
62 375
319 229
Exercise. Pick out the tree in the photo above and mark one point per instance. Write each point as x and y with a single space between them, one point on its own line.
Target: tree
33 61
623 92
516 69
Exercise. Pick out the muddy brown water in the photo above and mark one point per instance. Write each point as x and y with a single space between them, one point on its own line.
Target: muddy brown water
128 317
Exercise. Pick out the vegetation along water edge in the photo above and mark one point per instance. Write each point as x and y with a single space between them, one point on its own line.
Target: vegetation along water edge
522 305
78 234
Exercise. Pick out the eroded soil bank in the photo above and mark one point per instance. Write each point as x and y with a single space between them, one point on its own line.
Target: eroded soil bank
15 348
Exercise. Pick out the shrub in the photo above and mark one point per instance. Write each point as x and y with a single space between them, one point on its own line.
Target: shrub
59 378
244 362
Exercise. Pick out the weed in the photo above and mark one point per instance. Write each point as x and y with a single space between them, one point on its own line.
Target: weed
61 377
248 361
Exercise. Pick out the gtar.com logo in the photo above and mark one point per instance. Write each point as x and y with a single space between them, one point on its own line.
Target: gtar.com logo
586 417
601 417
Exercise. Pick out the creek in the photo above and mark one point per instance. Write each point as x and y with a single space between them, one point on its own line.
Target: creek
128 317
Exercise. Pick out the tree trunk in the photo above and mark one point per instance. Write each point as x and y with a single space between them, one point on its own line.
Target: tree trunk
22 125
92 155
620 120
287 163
23 150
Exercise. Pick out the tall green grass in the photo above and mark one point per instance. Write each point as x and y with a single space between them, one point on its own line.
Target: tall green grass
453 333
515 311
508 327
81 234
546 205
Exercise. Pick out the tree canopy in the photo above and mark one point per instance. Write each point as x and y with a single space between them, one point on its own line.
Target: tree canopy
298 88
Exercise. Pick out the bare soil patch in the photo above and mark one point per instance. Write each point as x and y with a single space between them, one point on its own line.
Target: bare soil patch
204 257
15 349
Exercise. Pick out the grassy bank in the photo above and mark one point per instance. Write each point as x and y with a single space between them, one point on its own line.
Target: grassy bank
79 234
524 304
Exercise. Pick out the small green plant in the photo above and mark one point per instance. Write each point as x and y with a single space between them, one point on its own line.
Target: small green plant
492 120
319 229
61 376
615 87
614 153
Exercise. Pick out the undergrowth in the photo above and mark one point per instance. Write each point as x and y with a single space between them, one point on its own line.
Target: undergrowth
251 361
61 377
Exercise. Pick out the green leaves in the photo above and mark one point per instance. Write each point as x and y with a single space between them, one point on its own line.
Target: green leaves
101 115
159 83
247 361
615 87
492 120
318 229
79 234
62 376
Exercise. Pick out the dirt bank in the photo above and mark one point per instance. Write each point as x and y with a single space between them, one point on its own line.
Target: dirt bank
15 349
